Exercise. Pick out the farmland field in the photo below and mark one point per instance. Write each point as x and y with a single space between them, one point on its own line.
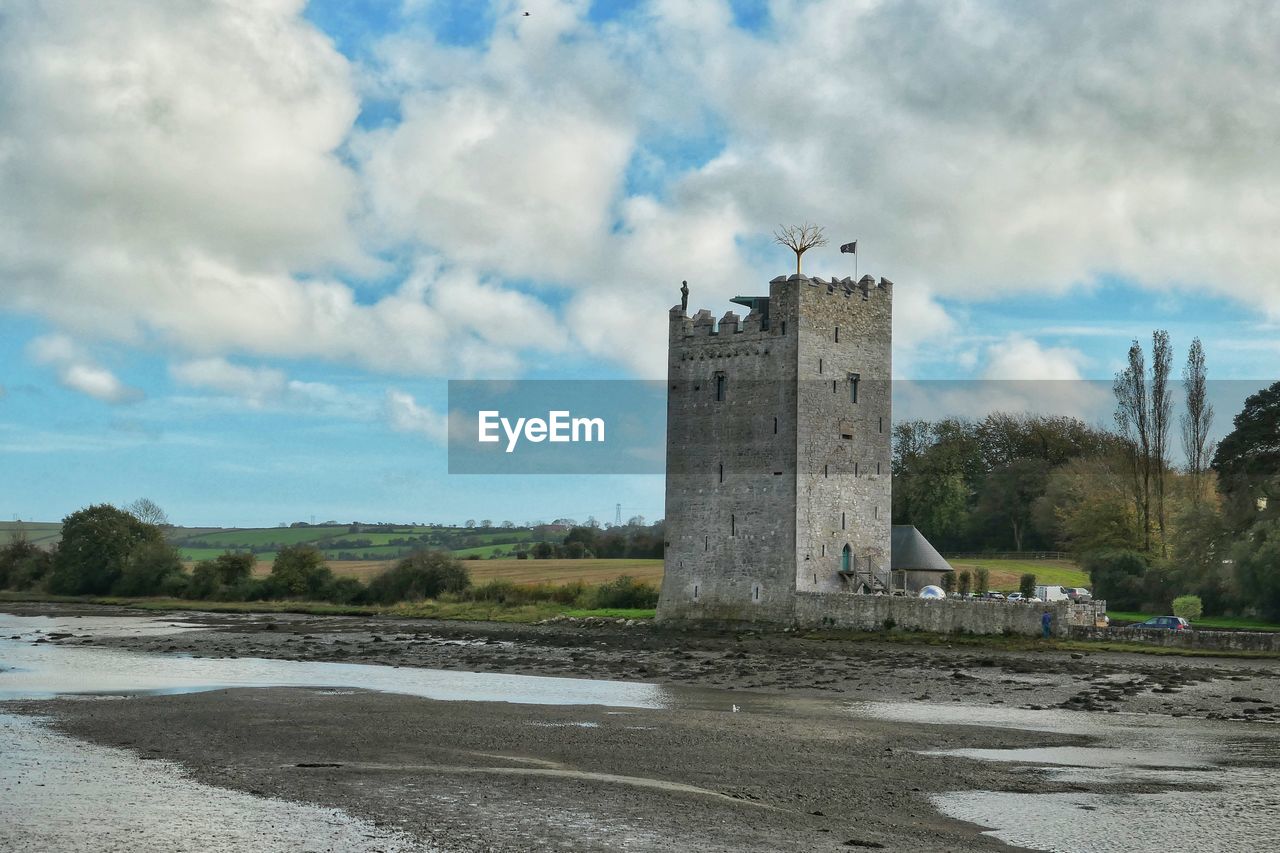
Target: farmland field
42 533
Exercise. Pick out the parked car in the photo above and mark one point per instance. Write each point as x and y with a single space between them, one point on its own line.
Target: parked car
1016 596
994 596
1079 594
1163 623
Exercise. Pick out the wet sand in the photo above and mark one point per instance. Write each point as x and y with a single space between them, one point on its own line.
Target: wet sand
792 770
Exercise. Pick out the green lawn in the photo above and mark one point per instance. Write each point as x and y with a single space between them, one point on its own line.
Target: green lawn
1005 574
1231 623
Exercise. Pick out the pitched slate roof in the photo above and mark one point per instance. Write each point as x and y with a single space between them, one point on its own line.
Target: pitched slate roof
913 553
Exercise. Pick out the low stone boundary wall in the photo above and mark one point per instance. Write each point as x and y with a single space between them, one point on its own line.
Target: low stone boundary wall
943 616
1220 641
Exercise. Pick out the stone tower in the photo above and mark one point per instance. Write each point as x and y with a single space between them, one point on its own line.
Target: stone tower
778 450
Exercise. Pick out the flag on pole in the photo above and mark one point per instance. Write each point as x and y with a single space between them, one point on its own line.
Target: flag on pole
850 248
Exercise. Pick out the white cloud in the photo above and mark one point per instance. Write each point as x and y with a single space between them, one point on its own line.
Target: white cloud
254 385
405 415
188 174
77 371
1021 358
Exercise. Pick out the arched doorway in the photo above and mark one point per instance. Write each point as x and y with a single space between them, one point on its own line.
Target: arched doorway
846 559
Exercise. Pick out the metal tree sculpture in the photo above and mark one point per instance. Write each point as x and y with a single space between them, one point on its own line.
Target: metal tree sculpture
799 239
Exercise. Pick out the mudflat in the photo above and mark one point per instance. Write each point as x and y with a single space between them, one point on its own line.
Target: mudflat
758 750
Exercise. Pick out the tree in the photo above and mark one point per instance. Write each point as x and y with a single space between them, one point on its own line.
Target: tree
1247 461
1117 577
97 543
948 582
1132 421
487 524
981 580
965 582
300 570
22 563
1197 420
1087 506
469 523
1008 496
423 574
1188 607
799 239
1196 565
153 568
1161 406
1027 585
148 512
213 578
1257 561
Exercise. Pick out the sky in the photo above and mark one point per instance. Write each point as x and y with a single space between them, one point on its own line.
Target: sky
245 243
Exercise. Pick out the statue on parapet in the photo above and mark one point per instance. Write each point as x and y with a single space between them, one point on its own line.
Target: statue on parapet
684 297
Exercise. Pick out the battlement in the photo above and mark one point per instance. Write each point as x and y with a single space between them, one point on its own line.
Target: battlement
782 289
704 324
846 286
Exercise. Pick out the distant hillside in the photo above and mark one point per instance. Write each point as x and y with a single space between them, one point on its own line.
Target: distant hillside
337 542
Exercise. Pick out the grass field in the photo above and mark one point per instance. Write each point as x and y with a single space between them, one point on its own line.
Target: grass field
37 532
1005 574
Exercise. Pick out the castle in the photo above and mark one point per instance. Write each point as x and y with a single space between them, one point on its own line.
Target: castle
778 455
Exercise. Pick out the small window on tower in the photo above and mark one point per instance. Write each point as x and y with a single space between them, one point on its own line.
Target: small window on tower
720 382
775 426
733 525
722 472
842 521
882 424
853 388
819 365
855 469
837 334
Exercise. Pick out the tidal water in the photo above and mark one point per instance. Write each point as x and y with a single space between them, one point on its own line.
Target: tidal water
1222 779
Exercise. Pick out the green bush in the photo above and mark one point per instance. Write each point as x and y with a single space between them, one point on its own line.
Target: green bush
626 592
948 582
23 565
299 571
981 580
965 582
1189 607
1027 585
153 568
423 574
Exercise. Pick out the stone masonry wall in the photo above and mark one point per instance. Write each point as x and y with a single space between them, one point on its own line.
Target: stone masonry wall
1225 641
730 490
943 616
843 453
